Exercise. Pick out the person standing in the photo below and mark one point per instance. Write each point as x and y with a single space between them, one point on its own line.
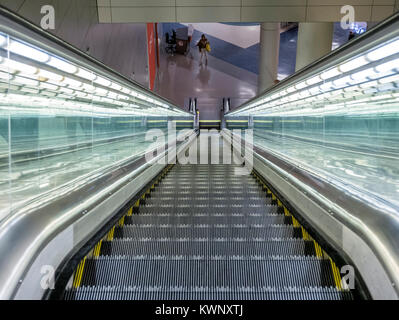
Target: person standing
202 47
351 35
190 32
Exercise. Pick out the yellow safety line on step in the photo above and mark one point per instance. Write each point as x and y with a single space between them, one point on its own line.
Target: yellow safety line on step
110 235
121 221
97 249
130 211
79 273
336 274
305 234
319 254
295 222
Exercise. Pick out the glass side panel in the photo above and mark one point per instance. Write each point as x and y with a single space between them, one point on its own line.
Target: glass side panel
62 125
359 152
341 123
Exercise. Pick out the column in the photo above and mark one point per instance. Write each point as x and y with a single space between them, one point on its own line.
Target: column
269 51
314 41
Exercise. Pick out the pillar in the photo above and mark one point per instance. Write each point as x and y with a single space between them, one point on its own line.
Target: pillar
314 41
269 51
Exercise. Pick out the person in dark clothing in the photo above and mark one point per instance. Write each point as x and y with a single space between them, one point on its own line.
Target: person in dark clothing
202 48
351 35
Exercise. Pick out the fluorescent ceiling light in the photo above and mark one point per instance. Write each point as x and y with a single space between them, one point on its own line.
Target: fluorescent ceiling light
384 51
62 65
313 80
20 67
72 82
116 86
50 75
353 64
27 51
330 73
48 86
102 81
85 74
392 65
26 81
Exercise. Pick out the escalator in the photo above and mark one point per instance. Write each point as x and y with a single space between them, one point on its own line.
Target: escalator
100 220
202 232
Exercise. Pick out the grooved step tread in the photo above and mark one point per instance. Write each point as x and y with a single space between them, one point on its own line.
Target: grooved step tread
205 219
246 233
205 233
151 293
178 210
207 248
296 272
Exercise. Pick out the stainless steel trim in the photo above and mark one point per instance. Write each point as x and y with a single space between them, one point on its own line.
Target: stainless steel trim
376 228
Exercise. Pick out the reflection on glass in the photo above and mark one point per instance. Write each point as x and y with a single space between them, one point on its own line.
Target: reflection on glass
62 125
341 123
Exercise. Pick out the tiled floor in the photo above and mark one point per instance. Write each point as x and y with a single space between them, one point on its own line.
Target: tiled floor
181 77
232 64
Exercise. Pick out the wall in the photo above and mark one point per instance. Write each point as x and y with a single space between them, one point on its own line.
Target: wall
120 46
240 10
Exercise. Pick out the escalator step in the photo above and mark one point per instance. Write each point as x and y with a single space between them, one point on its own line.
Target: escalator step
298 272
205 219
204 233
194 202
237 233
206 248
183 209
140 293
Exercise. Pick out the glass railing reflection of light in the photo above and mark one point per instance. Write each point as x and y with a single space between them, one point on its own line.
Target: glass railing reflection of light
29 70
62 123
367 83
341 123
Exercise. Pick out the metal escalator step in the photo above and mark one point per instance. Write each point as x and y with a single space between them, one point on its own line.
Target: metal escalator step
247 233
176 190
208 219
181 209
205 233
278 272
206 248
208 184
151 293
205 193
195 201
